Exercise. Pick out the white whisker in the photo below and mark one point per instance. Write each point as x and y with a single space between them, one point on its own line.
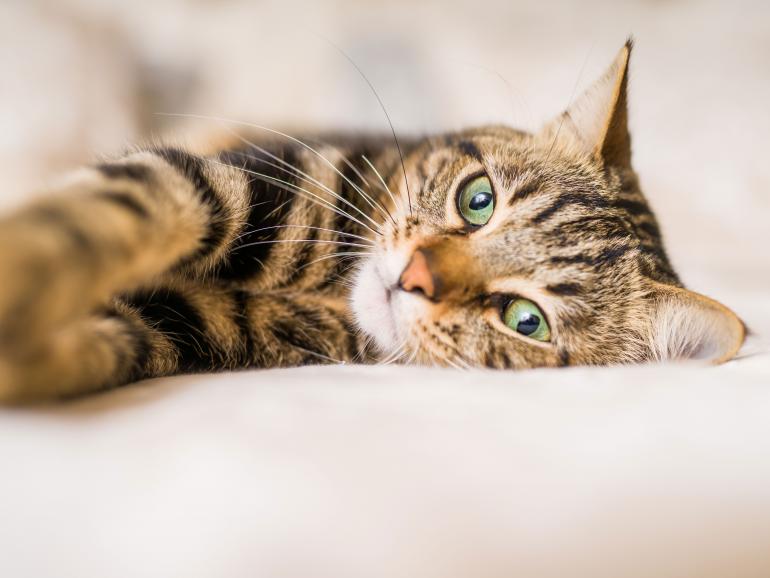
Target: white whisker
317 241
396 355
308 178
290 187
287 136
340 254
387 116
341 233
320 355
384 184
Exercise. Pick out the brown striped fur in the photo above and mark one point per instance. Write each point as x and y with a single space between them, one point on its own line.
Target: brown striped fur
166 261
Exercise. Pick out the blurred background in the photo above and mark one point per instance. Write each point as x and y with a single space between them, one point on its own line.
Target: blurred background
82 78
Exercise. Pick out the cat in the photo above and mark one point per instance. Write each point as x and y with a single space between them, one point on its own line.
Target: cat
487 247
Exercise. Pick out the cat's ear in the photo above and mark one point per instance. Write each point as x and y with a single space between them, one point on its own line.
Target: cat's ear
597 121
687 325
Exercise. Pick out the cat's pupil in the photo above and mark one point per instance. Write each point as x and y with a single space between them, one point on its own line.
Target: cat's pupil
480 201
528 324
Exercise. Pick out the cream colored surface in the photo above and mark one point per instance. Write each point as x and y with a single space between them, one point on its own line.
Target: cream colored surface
351 471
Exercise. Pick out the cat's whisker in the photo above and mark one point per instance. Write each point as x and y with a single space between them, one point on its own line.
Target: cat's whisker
405 356
343 283
352 167
316 241
349 256
248 232
286 186
292 188
307 178
460 362
395 355
366 183
340 255
289 137
365 348
371 202
320 355
384 357
452 364
396 204
389 359
340 233
387 116
414 355
295 172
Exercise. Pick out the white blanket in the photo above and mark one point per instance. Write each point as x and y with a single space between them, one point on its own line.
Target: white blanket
351 471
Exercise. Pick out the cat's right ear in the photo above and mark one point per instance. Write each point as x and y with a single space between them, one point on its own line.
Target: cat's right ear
688 325
597 122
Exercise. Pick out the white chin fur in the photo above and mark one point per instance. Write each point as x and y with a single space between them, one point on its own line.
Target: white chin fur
371 307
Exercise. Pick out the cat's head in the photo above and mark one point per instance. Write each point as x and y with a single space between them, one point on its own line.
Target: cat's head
515 250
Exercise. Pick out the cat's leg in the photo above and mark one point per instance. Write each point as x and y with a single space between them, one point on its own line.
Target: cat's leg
211 327
152 218
182 327
110 229
96 352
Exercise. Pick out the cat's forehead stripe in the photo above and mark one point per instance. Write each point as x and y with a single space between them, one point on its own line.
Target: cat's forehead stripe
524 191
470 149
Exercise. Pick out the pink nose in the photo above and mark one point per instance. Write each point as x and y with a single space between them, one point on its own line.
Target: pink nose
417 276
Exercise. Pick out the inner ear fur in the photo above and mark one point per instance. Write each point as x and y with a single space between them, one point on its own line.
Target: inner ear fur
597 122
688 325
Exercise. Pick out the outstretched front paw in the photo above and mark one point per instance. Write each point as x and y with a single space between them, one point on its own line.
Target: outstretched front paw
33 273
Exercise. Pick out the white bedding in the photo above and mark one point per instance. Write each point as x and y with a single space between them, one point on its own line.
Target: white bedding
387 471
412 472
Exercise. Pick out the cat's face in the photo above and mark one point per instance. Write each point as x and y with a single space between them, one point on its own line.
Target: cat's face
514 250
506 233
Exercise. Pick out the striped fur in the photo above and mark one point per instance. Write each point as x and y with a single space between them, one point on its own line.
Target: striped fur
268 253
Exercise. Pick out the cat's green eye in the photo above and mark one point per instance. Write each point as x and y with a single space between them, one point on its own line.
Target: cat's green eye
476 201
525 317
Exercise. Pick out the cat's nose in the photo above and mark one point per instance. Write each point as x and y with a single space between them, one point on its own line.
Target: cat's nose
417 276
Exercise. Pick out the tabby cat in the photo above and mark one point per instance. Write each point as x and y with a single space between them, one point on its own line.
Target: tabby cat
488 247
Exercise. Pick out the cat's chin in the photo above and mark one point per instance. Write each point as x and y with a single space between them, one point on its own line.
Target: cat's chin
371 303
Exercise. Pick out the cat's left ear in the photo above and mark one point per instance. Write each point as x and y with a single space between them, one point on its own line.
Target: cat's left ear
688 325
597 122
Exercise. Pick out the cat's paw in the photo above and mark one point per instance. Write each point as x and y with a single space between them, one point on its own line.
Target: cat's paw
39 286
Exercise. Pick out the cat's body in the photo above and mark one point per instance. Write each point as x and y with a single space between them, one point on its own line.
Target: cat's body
273 252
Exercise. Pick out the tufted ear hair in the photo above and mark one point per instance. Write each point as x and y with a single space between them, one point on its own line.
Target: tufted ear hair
597 122
687 325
